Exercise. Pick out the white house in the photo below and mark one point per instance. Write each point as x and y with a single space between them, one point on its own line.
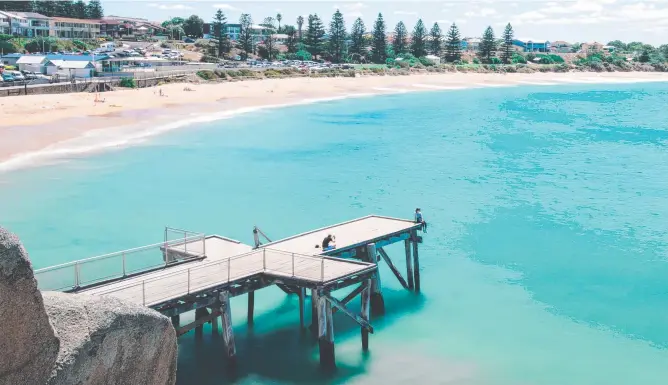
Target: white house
434 59
32 63
70 69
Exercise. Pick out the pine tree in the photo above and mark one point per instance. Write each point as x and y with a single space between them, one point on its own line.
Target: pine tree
65 9
269 40
291 41
246 34
79 10
379 43
436 41
219 28
507 53
358 42
300 25
419 40
315 36
400 43
17 6
47 8
453 44
487 48
337 37
94 9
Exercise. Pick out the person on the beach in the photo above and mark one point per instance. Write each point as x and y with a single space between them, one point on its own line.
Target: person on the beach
420 219
329 243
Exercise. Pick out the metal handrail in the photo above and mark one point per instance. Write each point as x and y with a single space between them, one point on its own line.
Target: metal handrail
128 251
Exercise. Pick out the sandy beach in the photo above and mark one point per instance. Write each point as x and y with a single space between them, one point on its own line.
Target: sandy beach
39 127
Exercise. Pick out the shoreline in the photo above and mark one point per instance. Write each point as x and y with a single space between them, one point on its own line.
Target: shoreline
78 125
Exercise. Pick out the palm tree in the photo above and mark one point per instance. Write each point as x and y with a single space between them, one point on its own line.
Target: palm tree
279 17
300 23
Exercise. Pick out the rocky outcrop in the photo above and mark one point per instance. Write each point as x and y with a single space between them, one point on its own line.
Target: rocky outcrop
28 344
106 341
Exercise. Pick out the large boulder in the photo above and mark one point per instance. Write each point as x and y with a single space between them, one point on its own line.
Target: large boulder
106 341
28 344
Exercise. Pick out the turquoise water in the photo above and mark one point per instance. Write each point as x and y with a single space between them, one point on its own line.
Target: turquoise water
545 262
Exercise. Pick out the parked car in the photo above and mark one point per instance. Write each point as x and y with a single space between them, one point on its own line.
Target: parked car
6 77
17 75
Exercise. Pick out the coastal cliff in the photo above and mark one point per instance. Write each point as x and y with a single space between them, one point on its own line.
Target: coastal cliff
62 339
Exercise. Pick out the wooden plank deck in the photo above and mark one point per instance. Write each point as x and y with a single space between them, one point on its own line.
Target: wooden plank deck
357 232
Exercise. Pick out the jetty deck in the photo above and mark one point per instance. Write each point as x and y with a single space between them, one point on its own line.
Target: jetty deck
192 271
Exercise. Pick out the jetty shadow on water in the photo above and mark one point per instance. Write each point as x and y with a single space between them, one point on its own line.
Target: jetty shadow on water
276 350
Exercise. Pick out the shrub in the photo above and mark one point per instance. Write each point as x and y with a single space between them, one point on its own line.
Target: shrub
303 55
206 74
272 73
518 59
246 72
403 64
390 62
128 83
563 67
426 62
476 60
79 44
556 58
7 47
5 37
208 59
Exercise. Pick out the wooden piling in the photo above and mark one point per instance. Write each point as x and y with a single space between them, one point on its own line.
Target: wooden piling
251 308
314 312
366 302
200 313
214 320
176 321
377 301
416 261
325 334
228 332
302 294
409 264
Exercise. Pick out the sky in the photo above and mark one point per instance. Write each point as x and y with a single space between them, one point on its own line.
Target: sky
569 20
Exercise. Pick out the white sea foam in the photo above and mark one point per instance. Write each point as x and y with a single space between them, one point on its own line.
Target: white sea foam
494 85
394 90
537 83
437 87
121 137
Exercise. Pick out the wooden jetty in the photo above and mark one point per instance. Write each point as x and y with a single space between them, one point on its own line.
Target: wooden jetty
201 273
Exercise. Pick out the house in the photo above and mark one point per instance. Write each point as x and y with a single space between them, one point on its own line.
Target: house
590 48
38 24
434 59
560 46
470 44
279 38
16 25
110 28
531 45
32 63
69 28
4 24
70 69
10 59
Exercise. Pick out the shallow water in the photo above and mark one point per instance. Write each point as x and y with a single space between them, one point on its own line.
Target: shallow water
545 261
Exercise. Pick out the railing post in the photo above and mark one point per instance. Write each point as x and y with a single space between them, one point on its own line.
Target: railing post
143 293
185 244
76 275
293 265
188 281
264 259
322 269
203 245
124 263
229 268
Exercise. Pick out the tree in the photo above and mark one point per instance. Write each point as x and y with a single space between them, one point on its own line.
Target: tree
79 10
618 44
379 43
194 26
436 40
64 8
219 26
358 42
291 41
173 21
453 44
644 56
17 6
300 24
337 37
315 36
269 44
175 31
399 43
246 34
279 18
487 48
47 8
94 9
419 40
508 36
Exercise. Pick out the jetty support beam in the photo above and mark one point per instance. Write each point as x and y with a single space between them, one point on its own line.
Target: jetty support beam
176 321
366 303
416 261
409 264
251 308
314 312
396 272
350 296
325 333
228 332
200 314
302 297
377 301
338 305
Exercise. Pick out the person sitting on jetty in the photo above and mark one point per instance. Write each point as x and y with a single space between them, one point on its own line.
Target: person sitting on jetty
420 219
329 243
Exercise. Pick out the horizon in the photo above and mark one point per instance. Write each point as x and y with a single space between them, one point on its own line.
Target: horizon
573 21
